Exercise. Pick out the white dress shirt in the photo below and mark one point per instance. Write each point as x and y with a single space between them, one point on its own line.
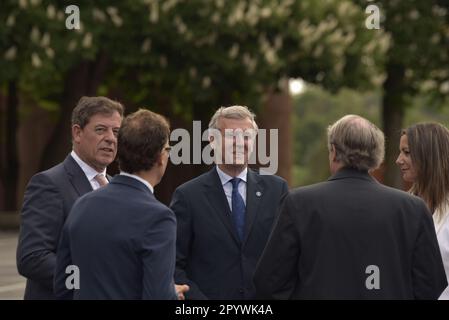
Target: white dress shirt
146 183
227 185
442 230
90 172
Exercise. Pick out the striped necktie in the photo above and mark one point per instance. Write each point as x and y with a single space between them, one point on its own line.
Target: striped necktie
101 179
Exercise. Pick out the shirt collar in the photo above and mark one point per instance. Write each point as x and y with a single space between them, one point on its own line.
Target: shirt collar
88 170
149 186
225 178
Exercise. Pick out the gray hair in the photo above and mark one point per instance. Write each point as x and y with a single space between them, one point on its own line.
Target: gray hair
233 112
358 143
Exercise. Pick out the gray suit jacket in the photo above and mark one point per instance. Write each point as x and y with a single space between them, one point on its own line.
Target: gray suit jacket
48 199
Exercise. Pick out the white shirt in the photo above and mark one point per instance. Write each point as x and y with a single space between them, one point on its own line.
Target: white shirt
149 186
90 172
227 185
442 230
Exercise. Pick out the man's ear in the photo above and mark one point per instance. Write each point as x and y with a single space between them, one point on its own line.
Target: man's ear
159 160
333 153
76 133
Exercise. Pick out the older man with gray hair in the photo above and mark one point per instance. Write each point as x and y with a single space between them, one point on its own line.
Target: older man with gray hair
351 237
225 215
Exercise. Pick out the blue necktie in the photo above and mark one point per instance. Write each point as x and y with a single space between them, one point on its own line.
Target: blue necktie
238 208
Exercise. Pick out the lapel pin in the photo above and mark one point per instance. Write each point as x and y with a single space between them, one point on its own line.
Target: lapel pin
258 193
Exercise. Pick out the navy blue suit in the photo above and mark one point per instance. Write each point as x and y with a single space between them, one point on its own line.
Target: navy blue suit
48 199
211 258
123 241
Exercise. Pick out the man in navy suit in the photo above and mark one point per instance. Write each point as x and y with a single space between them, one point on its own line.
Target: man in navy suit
121 240
225 215
50 194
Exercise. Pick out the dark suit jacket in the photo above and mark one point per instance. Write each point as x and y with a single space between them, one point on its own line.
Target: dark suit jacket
48 199
123 241
328 234
210 257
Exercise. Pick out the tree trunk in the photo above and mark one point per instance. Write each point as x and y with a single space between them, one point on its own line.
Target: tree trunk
277 114
392 118
2 149
11 166
175 175
81 80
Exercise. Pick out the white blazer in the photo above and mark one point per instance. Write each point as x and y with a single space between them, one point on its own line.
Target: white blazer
442 230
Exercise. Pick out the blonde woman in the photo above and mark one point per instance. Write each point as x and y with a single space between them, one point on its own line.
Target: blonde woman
424 162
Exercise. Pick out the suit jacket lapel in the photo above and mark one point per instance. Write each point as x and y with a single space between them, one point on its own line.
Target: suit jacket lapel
76 176
254 193
214 193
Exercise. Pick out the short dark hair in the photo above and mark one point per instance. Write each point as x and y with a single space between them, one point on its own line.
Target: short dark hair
141 139
90 106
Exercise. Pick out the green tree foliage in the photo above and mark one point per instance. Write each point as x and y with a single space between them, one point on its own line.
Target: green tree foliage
197 51
316 109
186 57
415 63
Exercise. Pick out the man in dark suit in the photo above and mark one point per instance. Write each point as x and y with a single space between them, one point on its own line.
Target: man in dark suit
225 215
351 237
50 194
120 239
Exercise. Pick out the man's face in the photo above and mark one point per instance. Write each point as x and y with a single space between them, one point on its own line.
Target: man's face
96 143
237 139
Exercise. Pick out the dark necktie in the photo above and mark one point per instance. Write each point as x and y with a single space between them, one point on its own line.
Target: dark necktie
238 208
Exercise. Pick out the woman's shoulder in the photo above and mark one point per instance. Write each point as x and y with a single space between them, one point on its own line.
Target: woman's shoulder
441 218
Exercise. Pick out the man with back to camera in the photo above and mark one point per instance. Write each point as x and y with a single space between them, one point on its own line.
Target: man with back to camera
121 238
351 237
225 215
50 194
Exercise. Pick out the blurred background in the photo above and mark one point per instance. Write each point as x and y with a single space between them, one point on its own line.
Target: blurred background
300 65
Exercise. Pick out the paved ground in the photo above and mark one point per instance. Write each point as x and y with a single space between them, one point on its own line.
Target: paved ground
12 284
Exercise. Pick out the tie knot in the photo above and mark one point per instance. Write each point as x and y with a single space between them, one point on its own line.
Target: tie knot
235 182
101 179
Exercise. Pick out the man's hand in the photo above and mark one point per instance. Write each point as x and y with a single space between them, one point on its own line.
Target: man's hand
180 290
